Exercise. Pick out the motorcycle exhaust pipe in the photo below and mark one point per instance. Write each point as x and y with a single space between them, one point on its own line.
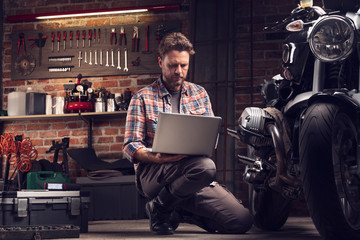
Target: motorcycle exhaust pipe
279 146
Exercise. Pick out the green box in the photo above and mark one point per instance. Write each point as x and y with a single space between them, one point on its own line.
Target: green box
37 180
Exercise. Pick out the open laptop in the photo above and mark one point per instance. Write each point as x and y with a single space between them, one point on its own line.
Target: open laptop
186 134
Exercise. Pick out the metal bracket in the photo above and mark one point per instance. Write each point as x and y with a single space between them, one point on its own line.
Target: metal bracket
88 121
22 207
75 204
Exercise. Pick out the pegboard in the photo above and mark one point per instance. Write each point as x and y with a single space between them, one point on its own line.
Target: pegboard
39 54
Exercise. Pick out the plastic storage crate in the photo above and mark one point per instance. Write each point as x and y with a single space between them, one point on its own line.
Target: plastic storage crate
113 198
41 207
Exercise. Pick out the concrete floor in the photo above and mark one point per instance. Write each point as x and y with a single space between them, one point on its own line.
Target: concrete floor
296 228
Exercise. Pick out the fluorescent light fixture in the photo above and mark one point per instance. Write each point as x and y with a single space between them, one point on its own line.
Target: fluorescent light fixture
96 12
91 14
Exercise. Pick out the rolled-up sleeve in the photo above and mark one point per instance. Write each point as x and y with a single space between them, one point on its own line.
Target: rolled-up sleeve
135 128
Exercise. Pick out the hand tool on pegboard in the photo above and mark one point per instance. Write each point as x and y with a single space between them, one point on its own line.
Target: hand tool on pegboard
90 36
21 42
113 36
77 38
90 61
83 37
61 59
58 40
125 58
40 43
64 38
147 40
135 39
122 36
112 58
107 59
80 58
71 38
94 35
99 35
119 59
60 69
52 41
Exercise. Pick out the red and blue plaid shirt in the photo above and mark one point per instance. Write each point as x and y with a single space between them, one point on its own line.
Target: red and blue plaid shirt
145 106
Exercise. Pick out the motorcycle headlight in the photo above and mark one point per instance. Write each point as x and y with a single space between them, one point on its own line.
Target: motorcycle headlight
332 38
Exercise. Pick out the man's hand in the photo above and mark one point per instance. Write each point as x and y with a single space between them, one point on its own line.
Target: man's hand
145 156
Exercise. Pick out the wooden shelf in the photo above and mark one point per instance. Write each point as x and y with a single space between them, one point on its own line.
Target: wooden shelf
87 117
92 115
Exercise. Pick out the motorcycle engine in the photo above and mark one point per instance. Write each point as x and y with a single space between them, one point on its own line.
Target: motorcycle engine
252 128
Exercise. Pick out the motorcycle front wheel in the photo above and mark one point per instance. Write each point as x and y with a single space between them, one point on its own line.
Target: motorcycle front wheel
269 208
328 164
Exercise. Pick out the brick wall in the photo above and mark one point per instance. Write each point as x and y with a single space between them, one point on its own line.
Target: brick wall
107 133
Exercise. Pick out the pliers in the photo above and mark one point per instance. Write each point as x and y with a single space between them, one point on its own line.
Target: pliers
21 41
122 36
135 39
113 36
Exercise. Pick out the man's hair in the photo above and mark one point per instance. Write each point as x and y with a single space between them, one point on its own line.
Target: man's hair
175 41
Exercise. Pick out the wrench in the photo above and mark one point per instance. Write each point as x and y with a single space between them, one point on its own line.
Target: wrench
90 63
79 58
96 63
107 58
112 58
118 66
101 57
125 54
85 58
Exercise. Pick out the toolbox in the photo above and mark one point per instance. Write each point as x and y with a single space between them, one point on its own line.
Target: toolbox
37 180
45 208
113 198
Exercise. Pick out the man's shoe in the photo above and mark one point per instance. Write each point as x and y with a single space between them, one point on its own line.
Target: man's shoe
159 210
159 222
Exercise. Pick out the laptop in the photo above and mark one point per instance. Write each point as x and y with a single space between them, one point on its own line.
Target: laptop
186 134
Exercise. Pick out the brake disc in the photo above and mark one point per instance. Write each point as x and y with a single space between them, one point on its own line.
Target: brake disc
25 64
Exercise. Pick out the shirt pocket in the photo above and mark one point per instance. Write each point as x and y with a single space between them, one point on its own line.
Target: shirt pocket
198 111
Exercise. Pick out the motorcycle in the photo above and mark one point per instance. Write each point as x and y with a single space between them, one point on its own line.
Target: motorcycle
305 143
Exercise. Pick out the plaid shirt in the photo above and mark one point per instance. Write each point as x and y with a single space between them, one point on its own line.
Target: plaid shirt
145 106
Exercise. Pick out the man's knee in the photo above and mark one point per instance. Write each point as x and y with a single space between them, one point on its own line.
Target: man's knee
204 169
242 222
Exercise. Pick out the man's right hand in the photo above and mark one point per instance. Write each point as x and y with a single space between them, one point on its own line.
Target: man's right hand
145 156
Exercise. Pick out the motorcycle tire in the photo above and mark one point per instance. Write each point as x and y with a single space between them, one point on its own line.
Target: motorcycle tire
327 148
269 208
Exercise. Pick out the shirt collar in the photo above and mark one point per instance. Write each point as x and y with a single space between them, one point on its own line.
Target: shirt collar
164 92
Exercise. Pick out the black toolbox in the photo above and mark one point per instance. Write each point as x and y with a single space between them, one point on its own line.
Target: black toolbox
113 198
45 208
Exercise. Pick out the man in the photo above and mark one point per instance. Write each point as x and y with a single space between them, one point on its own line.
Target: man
179 187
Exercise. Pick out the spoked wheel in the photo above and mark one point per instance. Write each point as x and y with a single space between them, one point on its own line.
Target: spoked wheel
269 208
328 161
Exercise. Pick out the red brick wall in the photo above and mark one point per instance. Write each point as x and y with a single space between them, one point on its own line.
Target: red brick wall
107 134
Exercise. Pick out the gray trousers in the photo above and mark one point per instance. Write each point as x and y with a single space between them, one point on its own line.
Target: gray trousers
192 181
